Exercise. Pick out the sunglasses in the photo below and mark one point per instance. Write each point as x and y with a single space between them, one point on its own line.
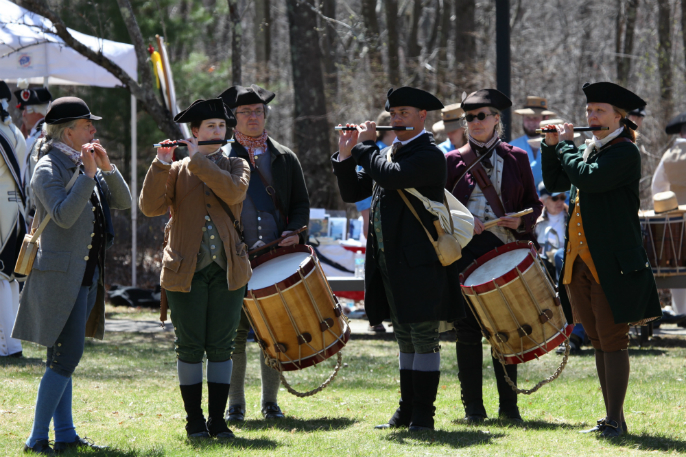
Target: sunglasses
480 116
557 198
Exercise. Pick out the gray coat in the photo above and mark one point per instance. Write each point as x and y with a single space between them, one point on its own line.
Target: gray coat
53 285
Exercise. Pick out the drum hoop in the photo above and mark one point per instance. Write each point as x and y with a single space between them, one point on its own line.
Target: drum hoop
505 278
535 352
292 280
316 358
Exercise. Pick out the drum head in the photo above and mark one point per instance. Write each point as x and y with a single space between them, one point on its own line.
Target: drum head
496 267
276 270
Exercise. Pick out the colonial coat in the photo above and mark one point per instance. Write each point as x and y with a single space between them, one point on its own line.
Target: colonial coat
423 289
607 184
51 288
288 181
517 191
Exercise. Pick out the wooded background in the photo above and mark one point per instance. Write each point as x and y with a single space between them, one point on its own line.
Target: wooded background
332 61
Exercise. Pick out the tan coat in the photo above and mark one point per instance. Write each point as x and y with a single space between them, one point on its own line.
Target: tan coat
192 188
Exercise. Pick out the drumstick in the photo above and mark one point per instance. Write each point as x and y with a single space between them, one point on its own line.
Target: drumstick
380 128
490 224
576 129
278 240
200 143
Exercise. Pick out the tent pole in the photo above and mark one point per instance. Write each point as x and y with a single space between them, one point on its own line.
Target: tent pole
134 189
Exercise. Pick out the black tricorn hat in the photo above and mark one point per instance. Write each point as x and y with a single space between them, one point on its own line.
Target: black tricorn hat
614 94
411 96
5 91
675 124
201 110
66 109
38 96
638 112
238 96
486 97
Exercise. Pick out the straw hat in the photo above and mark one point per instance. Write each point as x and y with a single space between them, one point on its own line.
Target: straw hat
665 202
535 106
451 119
536 142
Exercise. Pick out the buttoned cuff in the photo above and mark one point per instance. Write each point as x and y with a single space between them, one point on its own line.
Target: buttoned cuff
111 172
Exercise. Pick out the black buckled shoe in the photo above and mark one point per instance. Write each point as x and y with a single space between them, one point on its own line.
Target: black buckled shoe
78 443
271 410
235 413
597 428
611 429
403 415
41 447
219 429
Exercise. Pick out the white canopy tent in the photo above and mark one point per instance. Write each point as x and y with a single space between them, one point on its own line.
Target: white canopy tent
27 52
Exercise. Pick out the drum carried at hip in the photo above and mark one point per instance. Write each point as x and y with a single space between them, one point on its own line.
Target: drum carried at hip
296 318
516 304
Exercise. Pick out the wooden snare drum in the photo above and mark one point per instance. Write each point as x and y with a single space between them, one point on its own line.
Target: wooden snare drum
296 317
515 302
664 239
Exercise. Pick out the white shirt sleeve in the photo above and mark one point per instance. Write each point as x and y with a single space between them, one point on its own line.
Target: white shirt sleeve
660 180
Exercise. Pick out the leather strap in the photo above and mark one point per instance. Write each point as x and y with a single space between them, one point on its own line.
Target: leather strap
236 223
470 161
46 219
482 179
402 195
272 194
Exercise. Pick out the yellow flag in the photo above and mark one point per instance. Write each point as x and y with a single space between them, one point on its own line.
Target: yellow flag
157 66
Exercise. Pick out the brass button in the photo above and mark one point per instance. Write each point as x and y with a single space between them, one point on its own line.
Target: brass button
59 344
578 214
90 246
92 234
85 258
647 264
204 229
259 228
214 257
579 233
207 218
581 242
260 236
93 209
211 237
578 224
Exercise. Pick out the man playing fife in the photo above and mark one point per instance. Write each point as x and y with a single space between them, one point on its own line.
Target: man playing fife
404 279
277 204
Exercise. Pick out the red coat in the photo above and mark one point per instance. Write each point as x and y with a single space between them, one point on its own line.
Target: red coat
517 191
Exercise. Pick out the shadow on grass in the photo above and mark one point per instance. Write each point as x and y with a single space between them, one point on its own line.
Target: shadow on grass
455 439
299 425
20 361
155 452
526 425
649 443
238 443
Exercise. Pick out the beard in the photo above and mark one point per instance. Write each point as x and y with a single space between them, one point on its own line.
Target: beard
531 133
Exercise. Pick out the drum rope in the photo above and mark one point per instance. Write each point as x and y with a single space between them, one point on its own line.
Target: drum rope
295 326
269 361
516 321
264 319
548 380
317 310
488 316
536 304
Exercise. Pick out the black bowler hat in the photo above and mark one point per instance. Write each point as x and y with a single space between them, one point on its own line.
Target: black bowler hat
201 110
638 112
614 94
66 109
238 96
486 97
411 96
674 125
38 96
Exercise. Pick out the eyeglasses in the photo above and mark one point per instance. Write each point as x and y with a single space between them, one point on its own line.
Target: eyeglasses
480 116
248 113
560 197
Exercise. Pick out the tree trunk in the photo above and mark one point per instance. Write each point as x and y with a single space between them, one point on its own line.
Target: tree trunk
683 26
465 41
442 61
664 56
311 129
627 26
330 51
236 39
414 50
372 34
391 7
262 27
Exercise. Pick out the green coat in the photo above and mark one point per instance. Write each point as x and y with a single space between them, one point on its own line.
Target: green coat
609 201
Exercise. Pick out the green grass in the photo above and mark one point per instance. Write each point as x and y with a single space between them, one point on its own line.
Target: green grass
126 396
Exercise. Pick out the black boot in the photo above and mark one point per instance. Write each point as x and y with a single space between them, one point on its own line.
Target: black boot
508 397
192 403
469 365
425 385
403 414
218 395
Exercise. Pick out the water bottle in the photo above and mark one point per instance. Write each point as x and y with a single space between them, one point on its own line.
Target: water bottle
359 264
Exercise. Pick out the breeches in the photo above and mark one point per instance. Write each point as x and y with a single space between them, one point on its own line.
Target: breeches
205 319
590 305
419 337
64 356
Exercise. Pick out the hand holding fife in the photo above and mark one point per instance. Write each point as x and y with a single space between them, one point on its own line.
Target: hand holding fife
102 160
346 140
192 145
564 132
166 154
89 165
